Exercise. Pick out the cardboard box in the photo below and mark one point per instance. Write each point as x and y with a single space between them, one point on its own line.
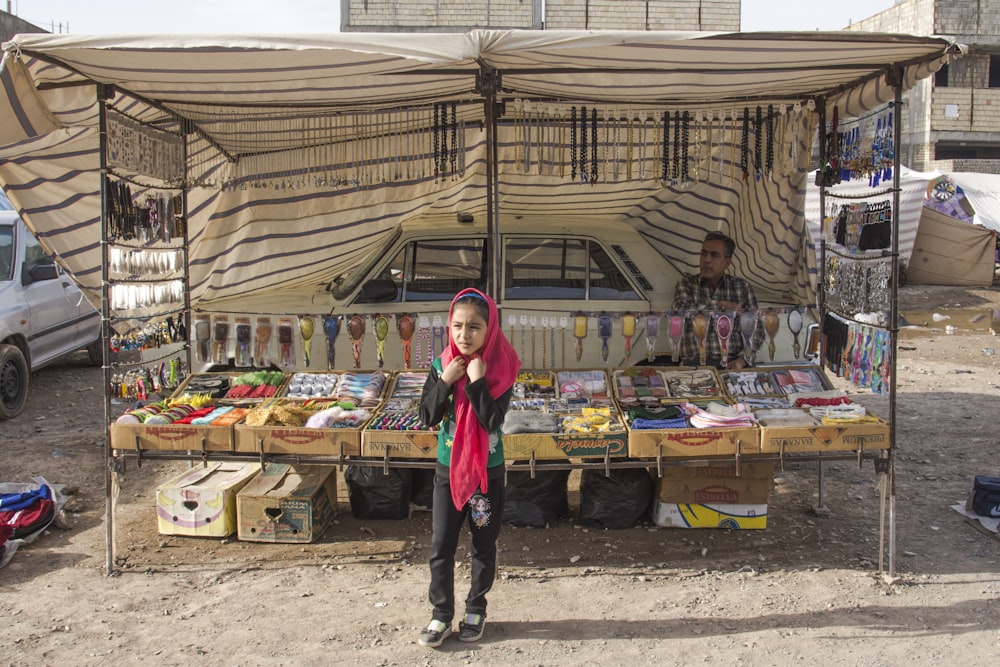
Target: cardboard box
693 515
399 444
297 440
693 442
285 503
839 437
174 437
712 489
202 501
521 446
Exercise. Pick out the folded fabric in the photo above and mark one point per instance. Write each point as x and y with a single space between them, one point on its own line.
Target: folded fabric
668 412
646 424
719 415
530 421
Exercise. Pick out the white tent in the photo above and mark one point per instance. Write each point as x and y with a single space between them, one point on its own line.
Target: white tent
300 152
935 248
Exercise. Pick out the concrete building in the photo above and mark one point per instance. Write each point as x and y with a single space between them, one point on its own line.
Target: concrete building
463 15
11 25
950 122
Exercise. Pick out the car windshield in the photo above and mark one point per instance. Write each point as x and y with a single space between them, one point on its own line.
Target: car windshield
6 252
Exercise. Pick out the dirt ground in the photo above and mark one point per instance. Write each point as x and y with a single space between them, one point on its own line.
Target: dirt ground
806 588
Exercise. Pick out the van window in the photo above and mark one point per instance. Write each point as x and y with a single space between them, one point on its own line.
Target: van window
577 269
6 252
433 270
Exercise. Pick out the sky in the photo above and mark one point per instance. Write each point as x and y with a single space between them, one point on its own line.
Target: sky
322 16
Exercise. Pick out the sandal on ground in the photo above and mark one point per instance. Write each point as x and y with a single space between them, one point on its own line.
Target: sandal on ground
434 634
471 628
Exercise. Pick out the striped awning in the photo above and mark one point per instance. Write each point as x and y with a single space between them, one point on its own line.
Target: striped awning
302 151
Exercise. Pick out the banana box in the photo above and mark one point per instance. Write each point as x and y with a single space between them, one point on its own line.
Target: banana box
201 501
698 515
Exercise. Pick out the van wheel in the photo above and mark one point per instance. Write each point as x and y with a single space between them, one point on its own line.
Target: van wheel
96 352
13 381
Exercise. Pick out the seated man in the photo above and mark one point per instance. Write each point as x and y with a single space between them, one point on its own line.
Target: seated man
712 289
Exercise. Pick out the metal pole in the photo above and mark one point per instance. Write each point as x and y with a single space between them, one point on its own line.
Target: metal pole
103 93
488 85
895 78
821 285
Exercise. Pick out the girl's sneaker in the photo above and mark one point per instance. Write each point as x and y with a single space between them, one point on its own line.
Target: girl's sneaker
434 634
471 629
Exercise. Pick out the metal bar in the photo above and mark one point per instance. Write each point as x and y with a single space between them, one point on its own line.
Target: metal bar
109 514
531 464
897 81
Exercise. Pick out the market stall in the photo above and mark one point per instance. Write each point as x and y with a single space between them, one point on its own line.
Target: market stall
243 176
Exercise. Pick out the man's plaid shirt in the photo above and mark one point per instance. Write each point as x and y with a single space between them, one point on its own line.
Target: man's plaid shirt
693 294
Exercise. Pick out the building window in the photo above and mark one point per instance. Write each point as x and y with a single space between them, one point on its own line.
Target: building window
955 152
994 81
941 76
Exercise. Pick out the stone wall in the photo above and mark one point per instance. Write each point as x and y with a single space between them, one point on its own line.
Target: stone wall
11 25
462 15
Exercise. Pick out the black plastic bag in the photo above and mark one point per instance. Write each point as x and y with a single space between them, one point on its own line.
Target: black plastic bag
377 495
538 502
618 501
422 490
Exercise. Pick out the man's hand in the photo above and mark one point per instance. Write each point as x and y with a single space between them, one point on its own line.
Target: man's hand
737 364
727 305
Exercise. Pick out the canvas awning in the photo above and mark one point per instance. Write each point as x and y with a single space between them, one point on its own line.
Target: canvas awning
301 151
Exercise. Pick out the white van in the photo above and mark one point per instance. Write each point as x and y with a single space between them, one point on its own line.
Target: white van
43 315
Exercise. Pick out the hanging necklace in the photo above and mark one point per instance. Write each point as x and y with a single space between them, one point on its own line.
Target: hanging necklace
665 155
593 150
745 144
572 145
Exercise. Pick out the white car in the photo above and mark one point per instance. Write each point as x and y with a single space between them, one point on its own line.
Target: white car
43 315
575 292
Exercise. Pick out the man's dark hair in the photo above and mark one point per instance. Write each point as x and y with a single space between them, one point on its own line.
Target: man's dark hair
719 236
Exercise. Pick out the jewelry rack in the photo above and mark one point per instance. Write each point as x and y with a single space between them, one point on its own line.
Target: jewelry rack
864 147
144 266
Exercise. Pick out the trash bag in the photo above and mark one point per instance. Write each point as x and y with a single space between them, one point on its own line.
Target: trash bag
618 501
377 495
422 490
538 502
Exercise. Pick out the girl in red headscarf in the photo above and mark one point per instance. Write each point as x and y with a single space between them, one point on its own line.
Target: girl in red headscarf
467 391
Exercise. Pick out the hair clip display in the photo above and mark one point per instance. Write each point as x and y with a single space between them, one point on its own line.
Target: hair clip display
628 331
699 324
748 326
676 334
579 332
652 330
771 325
356 328
220 339
404 325
306 327
381 333
203 336
604 333
262 343
795 327
243 356
286 342
724 329
331 329
563 325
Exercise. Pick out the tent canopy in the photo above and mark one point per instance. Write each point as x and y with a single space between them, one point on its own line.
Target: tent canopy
299 153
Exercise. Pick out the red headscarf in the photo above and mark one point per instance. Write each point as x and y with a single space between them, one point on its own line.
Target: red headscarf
471 447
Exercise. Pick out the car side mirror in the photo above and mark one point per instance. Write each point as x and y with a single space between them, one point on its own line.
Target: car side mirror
380 290
38 272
